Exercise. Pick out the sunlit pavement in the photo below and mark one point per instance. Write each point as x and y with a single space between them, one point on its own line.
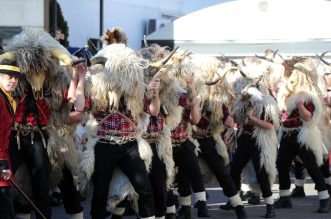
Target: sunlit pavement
303 208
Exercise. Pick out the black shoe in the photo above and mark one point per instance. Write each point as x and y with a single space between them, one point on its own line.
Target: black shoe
254 199
240 212
324 206
184 212
114 216
56 199
226 207
298 192
329 189
244 195
283 202
270 211
170 216
202 209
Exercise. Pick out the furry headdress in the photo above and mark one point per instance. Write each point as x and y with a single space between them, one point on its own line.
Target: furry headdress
115 35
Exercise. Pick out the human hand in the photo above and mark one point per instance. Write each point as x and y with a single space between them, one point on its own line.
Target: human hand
299 100
229 123
326 100
154 86
6 174
249 112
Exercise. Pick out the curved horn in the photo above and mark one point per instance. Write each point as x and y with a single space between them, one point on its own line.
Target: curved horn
62 55
275 53
161 63
7 55
323 60
210 83
98 60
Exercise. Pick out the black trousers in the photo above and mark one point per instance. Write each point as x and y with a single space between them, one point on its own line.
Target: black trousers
247 149
189 173
127 157
6 203
158 177
288 150
71 197
216 164
301 172
35 156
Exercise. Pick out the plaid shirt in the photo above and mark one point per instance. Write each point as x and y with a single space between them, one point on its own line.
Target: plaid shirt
293 120
117 125
179 134
43 111
249 125
156 122
204 121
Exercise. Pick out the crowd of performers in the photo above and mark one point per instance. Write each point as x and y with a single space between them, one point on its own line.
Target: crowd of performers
132 127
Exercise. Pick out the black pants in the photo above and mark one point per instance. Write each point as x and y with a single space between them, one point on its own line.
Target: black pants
158 177
216 164
247 149
288 150
127 157
35 156
6 203
189 173
301 172
71 197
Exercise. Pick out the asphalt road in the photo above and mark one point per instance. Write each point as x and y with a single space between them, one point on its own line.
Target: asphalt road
303 208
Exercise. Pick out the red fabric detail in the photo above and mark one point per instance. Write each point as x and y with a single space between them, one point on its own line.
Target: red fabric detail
179 134
155 123
5 129
293 120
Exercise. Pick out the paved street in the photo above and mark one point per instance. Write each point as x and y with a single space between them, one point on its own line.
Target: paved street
303 208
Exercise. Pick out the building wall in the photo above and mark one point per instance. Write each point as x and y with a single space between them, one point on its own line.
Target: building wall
132 15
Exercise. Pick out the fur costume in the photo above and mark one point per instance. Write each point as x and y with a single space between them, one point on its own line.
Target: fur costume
255 87
168 94
39 56
302 80
116 72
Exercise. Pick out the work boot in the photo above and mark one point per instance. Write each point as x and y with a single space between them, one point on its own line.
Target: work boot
184 212
226 207
270 211
324 206
283 202
298 192
202 209
240 212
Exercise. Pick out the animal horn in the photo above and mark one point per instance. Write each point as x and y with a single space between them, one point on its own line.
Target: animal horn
210 83
323 60
62 55
161 63
98 60
145 41
7 55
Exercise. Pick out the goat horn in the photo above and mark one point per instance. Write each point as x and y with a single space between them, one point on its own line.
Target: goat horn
210 83
98 60
161 63
62 55
145 42
7 55
323 60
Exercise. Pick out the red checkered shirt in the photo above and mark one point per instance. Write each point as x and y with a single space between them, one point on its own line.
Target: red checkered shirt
156 122
117 125
44 112
293 120
179 134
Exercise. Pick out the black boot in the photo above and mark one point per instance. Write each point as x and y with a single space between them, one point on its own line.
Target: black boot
254 199
270 211
324 206
298 192
240 212
114 216
202 209
170 216
283 202
227 206
184 212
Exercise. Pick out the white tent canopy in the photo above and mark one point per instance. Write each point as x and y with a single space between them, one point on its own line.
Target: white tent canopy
246 27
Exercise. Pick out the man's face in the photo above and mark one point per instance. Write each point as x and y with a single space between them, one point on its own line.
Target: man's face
8 83
327 78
